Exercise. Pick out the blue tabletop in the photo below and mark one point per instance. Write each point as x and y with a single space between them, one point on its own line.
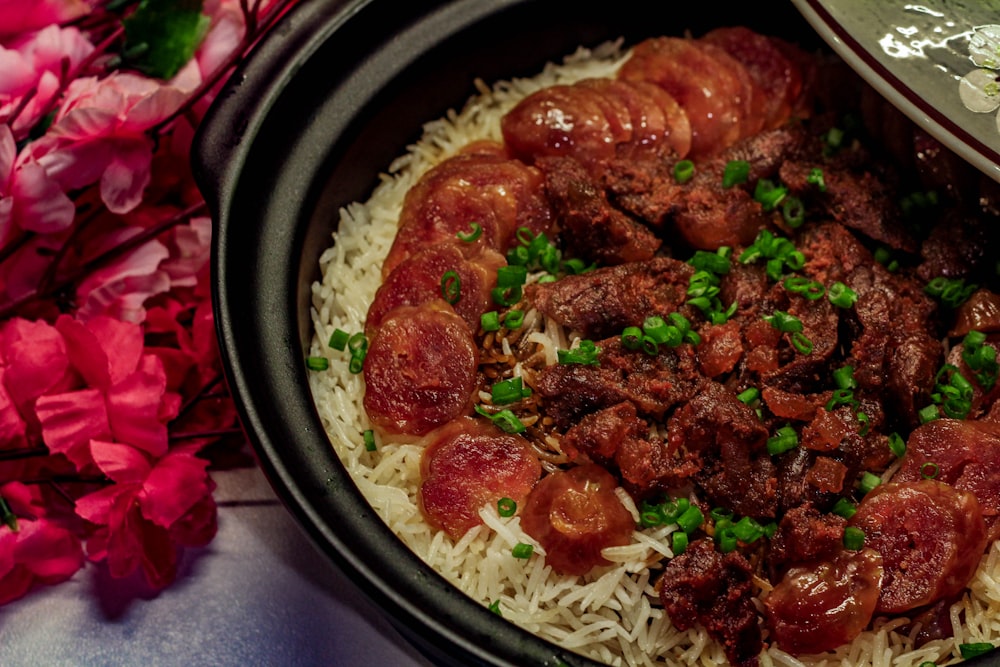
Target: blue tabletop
259 594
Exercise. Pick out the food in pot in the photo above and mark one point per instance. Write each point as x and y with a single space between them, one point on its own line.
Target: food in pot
660 355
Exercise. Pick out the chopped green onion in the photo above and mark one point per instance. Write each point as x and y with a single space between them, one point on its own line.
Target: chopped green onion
358 345
522 550
632 338
929 470
843 377
981 359
712 262
678 542
865 423
490 321
784 439
784 322
815 177
793 211
973 650
505 420
369 438
841 295
810 289
509 391
451 287
691 519
683 171
495 607
897 445
727 540
506 296
833 138
854 538
801 343
513 319
317 363
476 230
512 276
576 266
735 172
841 397
844 508
748 396
586 353
951 292
768 195
748 530
338 340
868 482
506 507
929 414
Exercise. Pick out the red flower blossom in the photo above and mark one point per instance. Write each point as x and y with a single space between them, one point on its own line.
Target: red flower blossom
150 510
39 551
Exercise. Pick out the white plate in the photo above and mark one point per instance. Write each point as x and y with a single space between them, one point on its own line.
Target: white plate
938 61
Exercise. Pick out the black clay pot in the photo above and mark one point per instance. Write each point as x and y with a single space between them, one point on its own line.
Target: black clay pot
326 101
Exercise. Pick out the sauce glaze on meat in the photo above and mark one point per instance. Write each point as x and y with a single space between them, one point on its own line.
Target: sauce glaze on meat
592 166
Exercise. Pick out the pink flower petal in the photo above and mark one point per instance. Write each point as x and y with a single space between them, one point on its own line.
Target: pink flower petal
123 463
127 175
36 359
98 507
173 487
71 420
18 16
40 205
12 426
134 405
48 551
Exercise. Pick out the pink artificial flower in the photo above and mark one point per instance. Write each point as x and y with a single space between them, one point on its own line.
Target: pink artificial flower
123 396
35 362
99 136
19 16
35 65
29 199
150 509
121 289
40 551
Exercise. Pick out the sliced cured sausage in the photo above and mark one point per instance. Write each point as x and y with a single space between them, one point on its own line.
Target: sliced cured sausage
469 269
965 454
469 463
707 83
499 194
931 537
819 606
420 371
574 515
777 79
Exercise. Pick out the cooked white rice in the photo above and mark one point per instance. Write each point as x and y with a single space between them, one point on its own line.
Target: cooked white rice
612 614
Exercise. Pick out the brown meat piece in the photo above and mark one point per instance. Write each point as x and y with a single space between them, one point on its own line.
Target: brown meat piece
602 302
730 440
702 586
598 435
589 226
653 383
805 535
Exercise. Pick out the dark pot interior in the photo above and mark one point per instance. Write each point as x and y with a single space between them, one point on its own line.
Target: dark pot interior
332 95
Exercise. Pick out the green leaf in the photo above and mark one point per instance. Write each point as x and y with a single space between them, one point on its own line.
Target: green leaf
162 35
